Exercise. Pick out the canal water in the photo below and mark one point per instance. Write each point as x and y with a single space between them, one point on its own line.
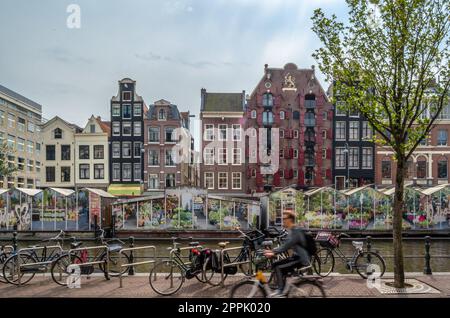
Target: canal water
414 250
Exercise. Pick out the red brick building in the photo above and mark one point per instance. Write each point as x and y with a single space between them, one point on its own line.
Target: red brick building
292 100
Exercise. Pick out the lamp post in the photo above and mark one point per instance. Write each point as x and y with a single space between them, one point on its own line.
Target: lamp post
347 161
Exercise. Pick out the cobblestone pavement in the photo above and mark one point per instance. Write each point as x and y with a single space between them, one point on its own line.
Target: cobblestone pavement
138 287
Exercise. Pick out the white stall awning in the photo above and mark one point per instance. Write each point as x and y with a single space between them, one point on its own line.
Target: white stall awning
100 192
64 192
30 192
3 191
313 191
430 191
355 190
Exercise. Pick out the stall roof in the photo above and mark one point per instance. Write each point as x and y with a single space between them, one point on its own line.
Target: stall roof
313 191
355 190
30 192
430 191
100 192
64 192
3 191
215 197
391 190
146 198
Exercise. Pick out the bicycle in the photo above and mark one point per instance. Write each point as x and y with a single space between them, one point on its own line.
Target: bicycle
300 287
5 252
364 262
41 262
167 276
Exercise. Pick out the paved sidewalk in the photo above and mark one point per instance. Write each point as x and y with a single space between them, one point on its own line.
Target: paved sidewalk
138 287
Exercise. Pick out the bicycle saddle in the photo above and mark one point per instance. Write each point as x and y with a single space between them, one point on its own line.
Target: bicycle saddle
114 247
75 244
223 244
357 245
194 243
267 243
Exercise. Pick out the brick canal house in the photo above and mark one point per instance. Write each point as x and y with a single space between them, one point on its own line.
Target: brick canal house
127 139
222 170
292 100
166 127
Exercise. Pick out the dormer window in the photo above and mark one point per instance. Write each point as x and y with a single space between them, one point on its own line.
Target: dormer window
92 129
126 96
57 133
162 114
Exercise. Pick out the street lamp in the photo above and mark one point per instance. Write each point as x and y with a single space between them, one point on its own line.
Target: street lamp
346 151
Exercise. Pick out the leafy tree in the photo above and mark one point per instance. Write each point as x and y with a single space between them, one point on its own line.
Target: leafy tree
390 63
6 168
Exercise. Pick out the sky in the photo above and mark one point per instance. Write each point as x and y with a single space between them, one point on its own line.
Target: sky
172 48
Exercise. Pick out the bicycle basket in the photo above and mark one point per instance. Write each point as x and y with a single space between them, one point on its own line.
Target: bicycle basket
327 239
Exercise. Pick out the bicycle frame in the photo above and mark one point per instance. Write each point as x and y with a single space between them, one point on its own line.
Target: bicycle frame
350 262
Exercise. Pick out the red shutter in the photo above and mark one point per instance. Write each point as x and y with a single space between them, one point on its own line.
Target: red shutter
329 153
330 134
301 178
286 115
259 100
328 173
301 157
259 179
276 179
276 118
301 99
320 100
330 115
259 117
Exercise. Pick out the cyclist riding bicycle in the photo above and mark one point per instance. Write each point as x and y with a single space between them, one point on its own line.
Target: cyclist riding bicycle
295 241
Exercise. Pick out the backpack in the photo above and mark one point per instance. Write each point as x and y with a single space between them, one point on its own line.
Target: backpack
311 246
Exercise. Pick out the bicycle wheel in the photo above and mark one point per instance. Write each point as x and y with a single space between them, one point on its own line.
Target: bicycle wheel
210 275
3 257
247 268
60 271
326 258
315 263
248 289
368 263
166 277
10 270
306 289
114 265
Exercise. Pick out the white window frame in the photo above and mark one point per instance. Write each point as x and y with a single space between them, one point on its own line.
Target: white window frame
221 153
208 154
117 124
339 149
282 114
139 112
237 127
338 111
126 124
209 176
221 177
127 100
253 114
138 123
296 153
281 133
131 149
234 177
114 109
114 166
370 162
131 111
295 134
220 129
137 164
237 151
357 158
154 177
336 130
352 129
208 133
131 171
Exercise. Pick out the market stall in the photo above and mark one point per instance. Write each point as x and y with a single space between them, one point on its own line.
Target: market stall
22 205
361 204
286 199
321 209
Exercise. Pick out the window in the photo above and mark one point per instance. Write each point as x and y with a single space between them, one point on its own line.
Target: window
223 132
353 130
366 130
209 180
137 149
126 149
99 171
353 157
310 101
116 171
169 158
116 150
153 157
386 169
281 133
99 152
20 144
325 115
170 180
153 134
236 180
367 158
169 134
11 120
50 152
65 152
209 156
267 100
126 171
65 174
30 165
222 156
126 111
116 128
340 108
237 132
445 113
223 180
30 146
295 173
30 126
126 129
84 152
209 132
295 153
92 129
20 124
11 141
295 134
84 171
38 149
324 153
162 114
253 173
421 169
310 119
442 169
137 128
282 115
324 134
267 118
340 158
340 130
50 174
236 156
57 133
2 117
253 114
442 137
353 113
116 110
281 153
137 171
137 110
281 173
153 181
126 96
296 115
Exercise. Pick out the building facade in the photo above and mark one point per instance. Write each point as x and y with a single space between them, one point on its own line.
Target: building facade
127 139
293 101
59 153
167 129
222 170
20 120
92 161
353 151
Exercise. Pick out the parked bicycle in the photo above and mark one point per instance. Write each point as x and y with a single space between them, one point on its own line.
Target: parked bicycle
167 276
5 252
363 261
39 261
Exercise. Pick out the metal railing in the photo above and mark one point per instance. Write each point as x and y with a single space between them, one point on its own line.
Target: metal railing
132 249
41 262
222 265
94 261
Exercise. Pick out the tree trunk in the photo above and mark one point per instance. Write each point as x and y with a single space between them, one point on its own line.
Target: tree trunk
399 274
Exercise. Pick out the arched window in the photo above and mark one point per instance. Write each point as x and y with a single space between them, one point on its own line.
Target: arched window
58 133
421 168
253 114
267 100
282 115
296 115
162 114
310 101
